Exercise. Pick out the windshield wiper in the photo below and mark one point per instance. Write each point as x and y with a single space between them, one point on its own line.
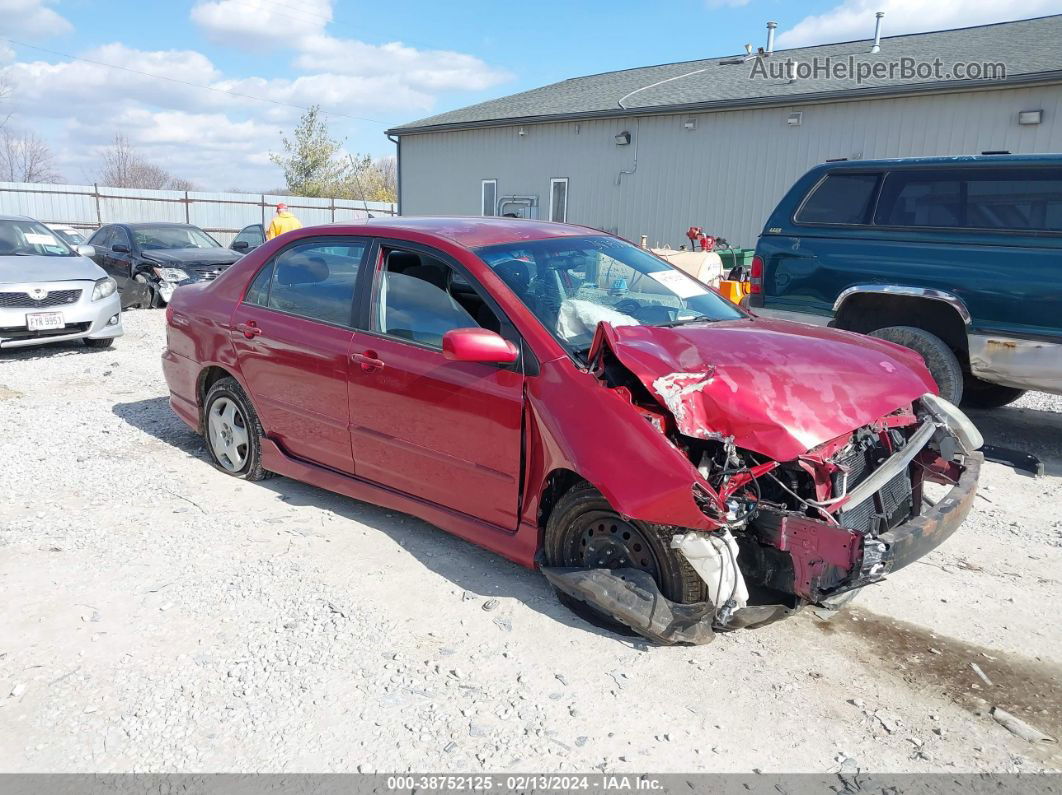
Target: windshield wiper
685 320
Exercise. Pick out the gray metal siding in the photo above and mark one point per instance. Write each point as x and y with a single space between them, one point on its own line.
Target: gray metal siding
726 175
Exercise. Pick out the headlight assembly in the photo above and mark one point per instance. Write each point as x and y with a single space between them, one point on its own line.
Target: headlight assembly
958 423
103 288
171 274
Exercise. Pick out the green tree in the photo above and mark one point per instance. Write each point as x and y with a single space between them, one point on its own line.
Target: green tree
313 161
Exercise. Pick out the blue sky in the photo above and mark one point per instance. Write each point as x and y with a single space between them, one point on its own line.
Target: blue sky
386 62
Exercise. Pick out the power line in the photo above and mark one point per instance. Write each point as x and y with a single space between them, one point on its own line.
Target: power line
185 82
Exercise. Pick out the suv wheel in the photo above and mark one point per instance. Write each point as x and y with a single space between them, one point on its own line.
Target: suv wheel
942 363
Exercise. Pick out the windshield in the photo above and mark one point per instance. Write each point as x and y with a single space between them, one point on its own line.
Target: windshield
573 283
29 238
70 236
153 238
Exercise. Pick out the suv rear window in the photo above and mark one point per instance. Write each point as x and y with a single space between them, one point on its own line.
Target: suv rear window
840 199
1005 198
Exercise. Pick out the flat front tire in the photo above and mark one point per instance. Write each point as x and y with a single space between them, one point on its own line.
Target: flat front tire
942 363
233 431
585 531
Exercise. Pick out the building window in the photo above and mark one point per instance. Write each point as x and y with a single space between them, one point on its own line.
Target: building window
558 200
490 197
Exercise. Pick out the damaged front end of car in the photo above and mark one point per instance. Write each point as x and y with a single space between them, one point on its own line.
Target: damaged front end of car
792 527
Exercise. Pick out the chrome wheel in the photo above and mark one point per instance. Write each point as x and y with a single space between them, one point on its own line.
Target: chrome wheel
227 431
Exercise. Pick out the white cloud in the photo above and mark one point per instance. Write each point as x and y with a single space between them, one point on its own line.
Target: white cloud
434 70
854 19
32 18
260 24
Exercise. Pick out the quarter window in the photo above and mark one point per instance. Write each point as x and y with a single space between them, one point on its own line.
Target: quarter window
840 199
919 198
314 279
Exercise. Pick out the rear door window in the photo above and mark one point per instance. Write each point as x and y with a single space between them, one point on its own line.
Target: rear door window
1015 199
314 280
840 199
921 198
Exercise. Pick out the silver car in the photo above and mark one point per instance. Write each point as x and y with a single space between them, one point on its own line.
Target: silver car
49 292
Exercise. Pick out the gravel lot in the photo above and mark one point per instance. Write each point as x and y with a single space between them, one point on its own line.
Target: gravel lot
159 616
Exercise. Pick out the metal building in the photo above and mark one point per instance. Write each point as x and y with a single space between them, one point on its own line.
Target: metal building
716 143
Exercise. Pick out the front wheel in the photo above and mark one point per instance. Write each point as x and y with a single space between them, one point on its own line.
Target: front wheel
584 531
942 363
233 431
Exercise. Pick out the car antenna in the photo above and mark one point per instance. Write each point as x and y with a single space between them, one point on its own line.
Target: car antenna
361 190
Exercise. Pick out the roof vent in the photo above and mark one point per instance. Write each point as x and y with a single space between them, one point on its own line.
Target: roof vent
770 36
877 32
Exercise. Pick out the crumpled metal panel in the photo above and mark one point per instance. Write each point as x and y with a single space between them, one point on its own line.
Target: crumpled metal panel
777 388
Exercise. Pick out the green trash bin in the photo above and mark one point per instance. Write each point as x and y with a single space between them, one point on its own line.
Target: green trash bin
735 257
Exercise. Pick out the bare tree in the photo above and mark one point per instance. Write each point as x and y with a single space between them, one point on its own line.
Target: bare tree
25 157
124 167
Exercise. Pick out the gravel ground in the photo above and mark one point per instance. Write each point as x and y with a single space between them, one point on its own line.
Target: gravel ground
160 616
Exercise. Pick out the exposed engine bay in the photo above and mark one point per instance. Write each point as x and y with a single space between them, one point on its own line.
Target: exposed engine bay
807 530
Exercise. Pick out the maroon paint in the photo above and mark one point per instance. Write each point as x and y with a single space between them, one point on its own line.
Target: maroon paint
777 388
446 440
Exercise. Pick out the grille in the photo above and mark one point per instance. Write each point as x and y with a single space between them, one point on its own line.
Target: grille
23 301
209 272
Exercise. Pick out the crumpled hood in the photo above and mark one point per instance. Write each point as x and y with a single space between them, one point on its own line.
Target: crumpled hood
192 256
778 388
37 268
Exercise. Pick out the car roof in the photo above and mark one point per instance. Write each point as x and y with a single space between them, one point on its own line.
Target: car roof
143 224
958 161
16 218
472 231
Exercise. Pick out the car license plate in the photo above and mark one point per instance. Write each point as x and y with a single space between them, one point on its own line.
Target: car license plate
42 321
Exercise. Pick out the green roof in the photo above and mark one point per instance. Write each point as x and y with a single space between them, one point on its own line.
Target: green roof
1028 48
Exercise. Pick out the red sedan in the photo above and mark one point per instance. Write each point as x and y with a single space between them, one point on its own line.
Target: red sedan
572 402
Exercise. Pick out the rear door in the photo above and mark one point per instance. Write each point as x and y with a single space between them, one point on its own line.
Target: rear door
447 432
292 334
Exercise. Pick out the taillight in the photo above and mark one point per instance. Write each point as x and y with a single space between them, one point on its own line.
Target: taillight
756 276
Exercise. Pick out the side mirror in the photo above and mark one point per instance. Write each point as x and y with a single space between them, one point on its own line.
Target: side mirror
478 345
85 250
120 248
240 245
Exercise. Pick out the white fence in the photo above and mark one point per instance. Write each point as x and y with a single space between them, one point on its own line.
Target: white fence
222 214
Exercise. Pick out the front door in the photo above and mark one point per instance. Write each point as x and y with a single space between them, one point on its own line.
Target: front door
447 432
292 334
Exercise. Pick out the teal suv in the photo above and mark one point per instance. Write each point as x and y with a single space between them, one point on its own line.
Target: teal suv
958 258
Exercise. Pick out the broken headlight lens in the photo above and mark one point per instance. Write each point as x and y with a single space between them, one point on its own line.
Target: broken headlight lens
956 422
103 288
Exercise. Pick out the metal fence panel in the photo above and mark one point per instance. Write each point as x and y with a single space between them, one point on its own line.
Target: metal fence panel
221 214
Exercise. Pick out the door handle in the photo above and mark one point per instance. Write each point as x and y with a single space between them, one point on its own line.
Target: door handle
249 330
367 360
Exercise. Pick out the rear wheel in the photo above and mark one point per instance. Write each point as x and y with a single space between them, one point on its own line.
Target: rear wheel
233 432
980 394
584 531
942 363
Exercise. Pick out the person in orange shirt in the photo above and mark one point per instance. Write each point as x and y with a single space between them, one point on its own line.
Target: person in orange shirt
282 222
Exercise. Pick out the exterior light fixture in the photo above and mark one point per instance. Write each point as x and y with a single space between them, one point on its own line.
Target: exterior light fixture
795 119
623 138
1030 117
